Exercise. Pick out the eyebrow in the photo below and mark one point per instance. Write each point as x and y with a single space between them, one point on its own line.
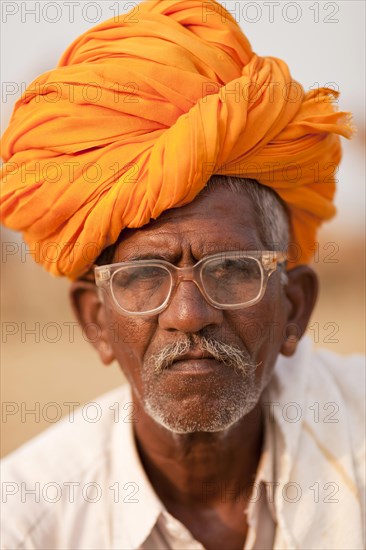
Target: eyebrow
148 256
169 257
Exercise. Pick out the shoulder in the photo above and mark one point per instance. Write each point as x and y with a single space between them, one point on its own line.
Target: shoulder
46 473
346 373
80 437
321 429
329 392
322 372
347 370
336 412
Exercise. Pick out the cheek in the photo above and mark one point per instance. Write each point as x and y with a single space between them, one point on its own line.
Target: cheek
262 327
129 339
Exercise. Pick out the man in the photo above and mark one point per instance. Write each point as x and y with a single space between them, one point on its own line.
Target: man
215 442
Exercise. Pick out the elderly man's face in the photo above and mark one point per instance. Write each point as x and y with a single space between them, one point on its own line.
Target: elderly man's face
201 395
207 394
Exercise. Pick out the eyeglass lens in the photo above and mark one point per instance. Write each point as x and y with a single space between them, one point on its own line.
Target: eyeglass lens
226 281
232 281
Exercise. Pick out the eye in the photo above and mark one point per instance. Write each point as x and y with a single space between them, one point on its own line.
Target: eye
149 273
233 270
222 269
135 277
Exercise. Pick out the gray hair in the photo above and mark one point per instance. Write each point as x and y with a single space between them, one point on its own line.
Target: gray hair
273 218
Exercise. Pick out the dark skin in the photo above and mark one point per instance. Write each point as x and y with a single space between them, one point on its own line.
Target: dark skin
203 478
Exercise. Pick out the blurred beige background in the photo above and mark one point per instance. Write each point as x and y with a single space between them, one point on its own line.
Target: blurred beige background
52 366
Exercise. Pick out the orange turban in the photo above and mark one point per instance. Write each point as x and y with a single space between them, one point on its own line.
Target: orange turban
140 112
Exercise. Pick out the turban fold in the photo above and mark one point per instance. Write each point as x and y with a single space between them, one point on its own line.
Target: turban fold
140 112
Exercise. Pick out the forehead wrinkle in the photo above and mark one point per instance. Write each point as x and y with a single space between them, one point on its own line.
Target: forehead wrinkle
210 224
173 246
150 241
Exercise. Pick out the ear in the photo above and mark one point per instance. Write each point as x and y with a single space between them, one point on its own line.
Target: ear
301 292
90 312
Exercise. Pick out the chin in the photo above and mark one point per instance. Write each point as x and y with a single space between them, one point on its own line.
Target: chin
188 418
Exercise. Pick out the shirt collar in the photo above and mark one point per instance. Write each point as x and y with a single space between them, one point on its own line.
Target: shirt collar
137 508
287 402
287 395
266 475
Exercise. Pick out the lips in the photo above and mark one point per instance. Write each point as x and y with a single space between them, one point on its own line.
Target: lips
194 355
196 362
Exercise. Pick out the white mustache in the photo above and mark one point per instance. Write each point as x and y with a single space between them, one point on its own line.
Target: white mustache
229 355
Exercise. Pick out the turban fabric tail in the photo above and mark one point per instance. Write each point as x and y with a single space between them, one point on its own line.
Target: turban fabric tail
140 112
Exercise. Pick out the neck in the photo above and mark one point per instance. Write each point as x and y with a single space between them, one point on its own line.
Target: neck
200 468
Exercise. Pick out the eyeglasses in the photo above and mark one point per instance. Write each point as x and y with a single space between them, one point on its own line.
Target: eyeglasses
227 280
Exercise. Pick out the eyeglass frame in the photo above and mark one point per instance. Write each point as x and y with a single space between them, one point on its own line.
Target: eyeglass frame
268 261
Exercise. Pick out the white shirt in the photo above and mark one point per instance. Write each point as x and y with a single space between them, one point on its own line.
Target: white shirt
81 484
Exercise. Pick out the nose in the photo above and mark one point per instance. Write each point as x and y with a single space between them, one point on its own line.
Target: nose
188 311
